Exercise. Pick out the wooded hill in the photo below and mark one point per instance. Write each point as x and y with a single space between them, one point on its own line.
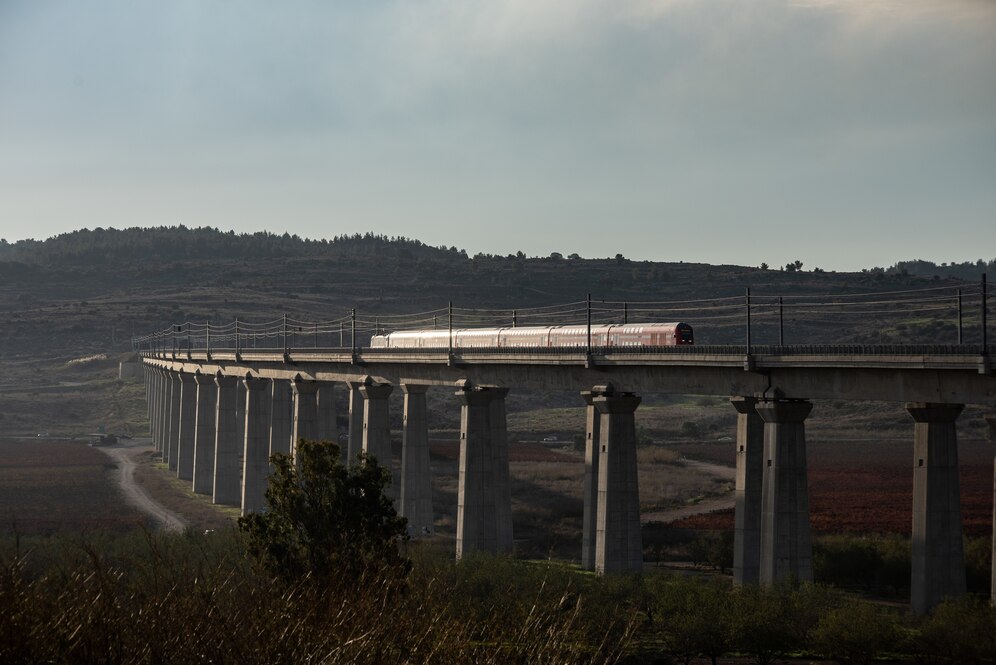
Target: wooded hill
91 290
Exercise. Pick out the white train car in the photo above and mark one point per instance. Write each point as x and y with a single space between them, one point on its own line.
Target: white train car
628 335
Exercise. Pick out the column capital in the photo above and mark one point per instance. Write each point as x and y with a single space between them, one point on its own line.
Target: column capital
480 396
376 390
203 379
302 386
744 404
930 412
596 391
255 382
613 404
414 389
784 410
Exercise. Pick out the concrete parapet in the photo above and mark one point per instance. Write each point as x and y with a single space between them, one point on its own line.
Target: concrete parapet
619 540
786 543
305 413
416 472
748 491
227 486
937 556
255 456
205 433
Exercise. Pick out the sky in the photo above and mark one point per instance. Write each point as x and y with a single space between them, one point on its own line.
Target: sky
842 133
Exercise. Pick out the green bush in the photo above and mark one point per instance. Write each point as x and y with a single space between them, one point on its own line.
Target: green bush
325 519
691 616
957 631
854 633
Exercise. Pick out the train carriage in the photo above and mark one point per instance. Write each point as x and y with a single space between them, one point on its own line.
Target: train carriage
623 335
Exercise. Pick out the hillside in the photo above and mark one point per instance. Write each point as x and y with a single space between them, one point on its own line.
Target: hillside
87 293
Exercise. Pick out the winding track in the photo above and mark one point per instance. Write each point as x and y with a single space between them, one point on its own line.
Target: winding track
124 455
706 506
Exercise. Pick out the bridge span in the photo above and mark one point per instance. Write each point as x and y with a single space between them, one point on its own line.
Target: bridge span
222 399
217 416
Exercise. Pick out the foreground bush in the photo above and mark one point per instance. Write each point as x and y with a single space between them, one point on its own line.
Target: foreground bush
168 601
325 519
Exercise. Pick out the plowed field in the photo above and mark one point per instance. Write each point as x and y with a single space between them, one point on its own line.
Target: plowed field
863 486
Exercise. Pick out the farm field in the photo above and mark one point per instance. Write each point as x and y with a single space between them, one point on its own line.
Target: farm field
866 486
59 486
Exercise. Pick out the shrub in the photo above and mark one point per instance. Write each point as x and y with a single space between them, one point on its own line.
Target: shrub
855 633
325 519
957 631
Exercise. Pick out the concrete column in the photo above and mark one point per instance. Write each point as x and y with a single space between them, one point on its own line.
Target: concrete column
786 544
256 446
174 420
157 415
991 422
499 464
476 526
188 424
416 473
280 417
227 486
205 433
155 396
305 413
147 382
355 443
376 425
748 491
589 522
618 541
327 430
240 425
937 556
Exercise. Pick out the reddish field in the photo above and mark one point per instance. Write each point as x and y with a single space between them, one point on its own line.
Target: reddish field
522 451
862 487
49 486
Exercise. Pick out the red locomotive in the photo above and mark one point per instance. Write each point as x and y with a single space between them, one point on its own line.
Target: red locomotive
629 335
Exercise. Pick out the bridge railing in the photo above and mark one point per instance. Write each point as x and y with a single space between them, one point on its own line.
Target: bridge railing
943 317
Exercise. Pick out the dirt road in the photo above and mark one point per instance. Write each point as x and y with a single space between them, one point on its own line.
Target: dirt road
124 454
705 506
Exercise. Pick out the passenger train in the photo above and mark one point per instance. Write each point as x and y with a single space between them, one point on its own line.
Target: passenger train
627 335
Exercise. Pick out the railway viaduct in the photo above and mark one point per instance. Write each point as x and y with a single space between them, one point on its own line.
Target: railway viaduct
217 415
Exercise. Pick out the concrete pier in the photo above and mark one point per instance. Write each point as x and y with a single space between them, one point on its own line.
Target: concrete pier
155 399
592 451
499 464
188 424
618 541
305 413
416 473
355 442
280 417
748 491
205 433
991 423
173 414
376 424
937 556
477 513
786 543
256 449
327 429
227 485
